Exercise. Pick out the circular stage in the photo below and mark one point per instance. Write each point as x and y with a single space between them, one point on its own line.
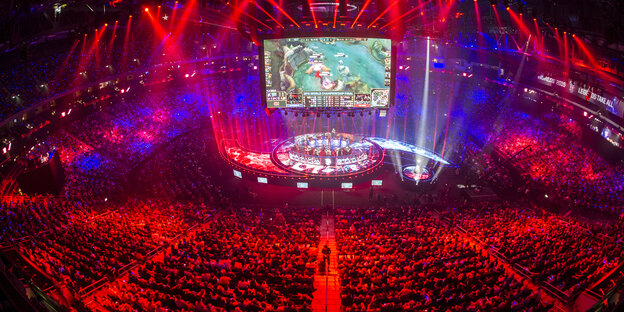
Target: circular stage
332 159
416 173
328 154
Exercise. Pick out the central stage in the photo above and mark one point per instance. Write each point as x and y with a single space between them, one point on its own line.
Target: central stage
331 159
328 154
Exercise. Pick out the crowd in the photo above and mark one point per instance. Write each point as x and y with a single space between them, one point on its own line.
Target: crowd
555 250
241 260
404 259
557 161
482 168
83 253
187 175
27 217
88 172
105 221
132 129
141 177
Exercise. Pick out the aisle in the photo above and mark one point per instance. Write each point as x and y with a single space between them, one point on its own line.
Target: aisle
327 294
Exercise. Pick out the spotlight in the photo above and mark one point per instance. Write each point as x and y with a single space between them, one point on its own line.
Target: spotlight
146 10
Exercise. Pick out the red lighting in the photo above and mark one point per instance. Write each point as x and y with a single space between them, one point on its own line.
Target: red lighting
361 11
382 14
146 10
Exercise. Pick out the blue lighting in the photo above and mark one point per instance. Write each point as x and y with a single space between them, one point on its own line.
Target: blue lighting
88 162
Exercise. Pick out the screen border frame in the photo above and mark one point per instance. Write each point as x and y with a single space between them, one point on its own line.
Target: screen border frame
393 66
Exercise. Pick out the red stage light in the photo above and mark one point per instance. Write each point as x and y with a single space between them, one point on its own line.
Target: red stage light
146 10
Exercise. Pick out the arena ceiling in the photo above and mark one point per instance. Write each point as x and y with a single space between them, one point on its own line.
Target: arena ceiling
598 21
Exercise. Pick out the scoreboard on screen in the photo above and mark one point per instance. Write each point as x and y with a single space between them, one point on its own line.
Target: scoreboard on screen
318 72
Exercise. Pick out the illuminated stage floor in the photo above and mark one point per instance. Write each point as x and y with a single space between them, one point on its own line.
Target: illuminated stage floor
296 163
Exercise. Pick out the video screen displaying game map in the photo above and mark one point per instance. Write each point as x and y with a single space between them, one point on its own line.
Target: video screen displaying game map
327 72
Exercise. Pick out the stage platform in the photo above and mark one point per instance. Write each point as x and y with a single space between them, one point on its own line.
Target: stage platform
340 161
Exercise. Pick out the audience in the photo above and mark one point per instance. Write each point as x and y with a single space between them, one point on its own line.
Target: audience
145 211
243 260
555 250
403 259
558 162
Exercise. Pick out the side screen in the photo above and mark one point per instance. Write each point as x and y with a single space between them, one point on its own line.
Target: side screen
327 72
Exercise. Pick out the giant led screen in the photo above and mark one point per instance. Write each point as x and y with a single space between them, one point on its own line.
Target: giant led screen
320 72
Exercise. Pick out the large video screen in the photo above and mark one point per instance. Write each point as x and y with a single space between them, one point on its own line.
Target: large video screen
319 72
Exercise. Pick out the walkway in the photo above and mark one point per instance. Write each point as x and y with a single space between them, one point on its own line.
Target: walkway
327 294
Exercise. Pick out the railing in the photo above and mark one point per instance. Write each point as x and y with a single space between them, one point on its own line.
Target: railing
523 271
93 287
552 290
84 292
556 292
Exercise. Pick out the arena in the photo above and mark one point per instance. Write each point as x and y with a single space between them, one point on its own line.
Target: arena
307 155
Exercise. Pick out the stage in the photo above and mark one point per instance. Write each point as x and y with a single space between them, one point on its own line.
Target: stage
334 160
